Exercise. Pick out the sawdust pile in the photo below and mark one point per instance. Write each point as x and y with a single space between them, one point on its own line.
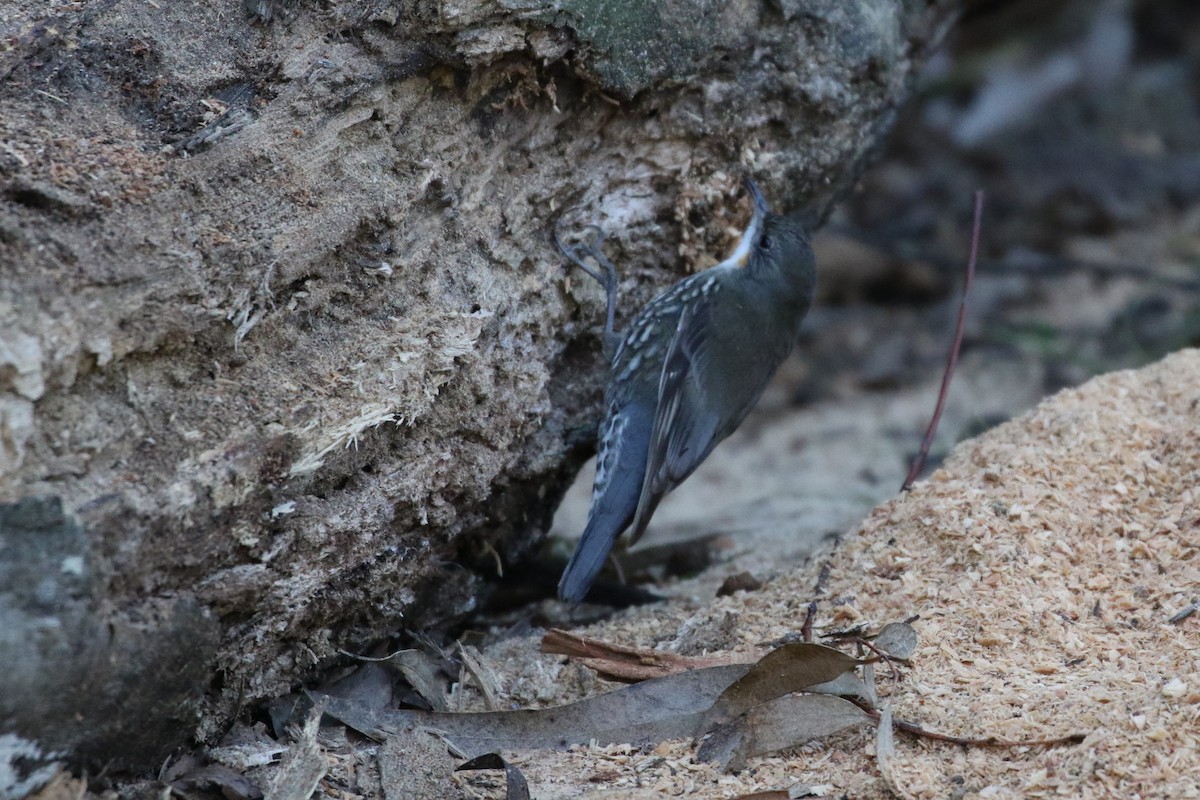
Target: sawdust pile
1045 561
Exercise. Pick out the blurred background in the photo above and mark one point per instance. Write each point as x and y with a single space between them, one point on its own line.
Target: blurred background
1080 122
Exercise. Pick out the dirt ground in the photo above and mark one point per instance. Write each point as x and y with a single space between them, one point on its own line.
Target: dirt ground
1044 562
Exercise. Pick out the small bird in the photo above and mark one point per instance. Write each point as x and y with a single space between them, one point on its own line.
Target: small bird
686 372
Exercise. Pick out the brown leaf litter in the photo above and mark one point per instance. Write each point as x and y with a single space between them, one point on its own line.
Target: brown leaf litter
1045 560
619 663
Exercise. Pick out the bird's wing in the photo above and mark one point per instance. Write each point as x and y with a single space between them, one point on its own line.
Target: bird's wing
683 432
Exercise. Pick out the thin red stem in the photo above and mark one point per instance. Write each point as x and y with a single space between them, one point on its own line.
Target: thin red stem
919 462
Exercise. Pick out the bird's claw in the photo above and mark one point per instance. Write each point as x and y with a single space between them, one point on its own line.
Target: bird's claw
606 275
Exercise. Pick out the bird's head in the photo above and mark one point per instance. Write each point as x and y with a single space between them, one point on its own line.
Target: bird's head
772 242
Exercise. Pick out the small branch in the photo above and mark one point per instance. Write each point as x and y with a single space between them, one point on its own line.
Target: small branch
810 616
880 656
919 462
967 741
807 628
358 657
991 741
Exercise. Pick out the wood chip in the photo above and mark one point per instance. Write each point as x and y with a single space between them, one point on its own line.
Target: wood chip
1045 598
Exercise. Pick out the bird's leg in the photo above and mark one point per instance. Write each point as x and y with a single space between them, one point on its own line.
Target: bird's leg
616 564
606 276
609 282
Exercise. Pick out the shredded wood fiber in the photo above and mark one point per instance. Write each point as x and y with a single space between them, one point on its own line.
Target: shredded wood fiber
1045 560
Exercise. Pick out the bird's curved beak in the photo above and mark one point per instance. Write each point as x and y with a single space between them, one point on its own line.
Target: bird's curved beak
741 255
760 202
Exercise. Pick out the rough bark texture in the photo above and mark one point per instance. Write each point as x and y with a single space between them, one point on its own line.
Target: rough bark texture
281 325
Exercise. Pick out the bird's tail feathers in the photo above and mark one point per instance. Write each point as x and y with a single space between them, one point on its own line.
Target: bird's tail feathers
588 559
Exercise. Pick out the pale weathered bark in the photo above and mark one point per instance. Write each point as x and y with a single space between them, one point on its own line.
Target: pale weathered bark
286 366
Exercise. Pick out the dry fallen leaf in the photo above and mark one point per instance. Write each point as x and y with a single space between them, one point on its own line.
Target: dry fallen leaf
790 668
650 712
778 724
303 765
898 640
231 784
516 787
885 752
630 664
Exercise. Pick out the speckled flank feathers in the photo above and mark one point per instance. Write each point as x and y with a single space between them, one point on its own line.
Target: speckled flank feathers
686 372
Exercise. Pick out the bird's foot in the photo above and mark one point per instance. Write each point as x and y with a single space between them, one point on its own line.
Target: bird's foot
606 275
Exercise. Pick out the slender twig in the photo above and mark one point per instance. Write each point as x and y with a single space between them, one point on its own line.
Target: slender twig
968 741
880 656
919 462
990 741
809 616
358 657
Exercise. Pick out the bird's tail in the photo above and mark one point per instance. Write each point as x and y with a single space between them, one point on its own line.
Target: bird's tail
588 559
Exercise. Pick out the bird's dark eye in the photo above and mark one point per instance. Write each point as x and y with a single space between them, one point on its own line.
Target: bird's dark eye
765 242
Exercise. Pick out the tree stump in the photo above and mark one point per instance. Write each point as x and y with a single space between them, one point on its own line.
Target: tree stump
284 337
